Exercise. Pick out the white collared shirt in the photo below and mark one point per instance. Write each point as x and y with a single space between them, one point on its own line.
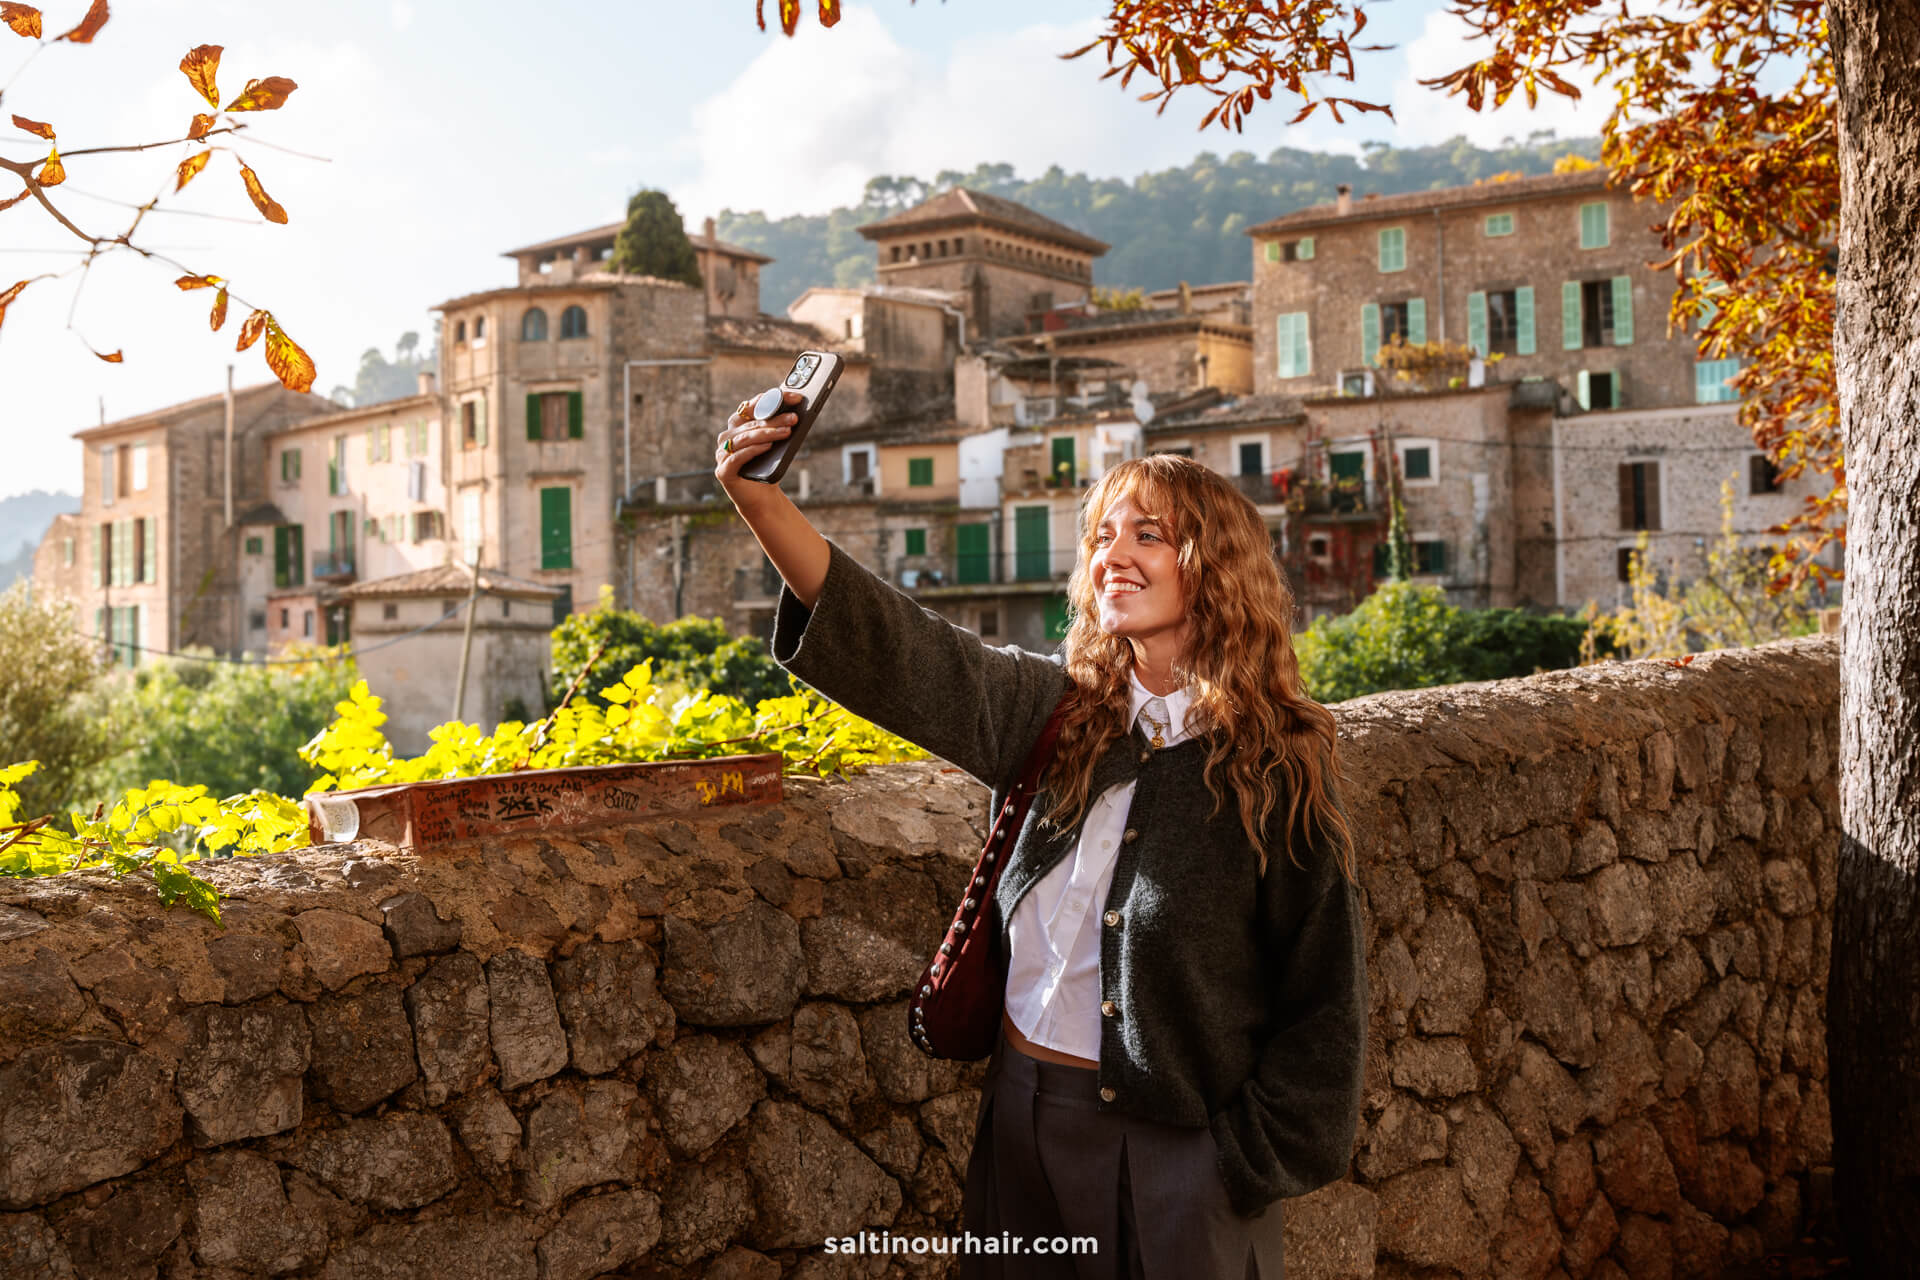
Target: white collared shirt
1053 969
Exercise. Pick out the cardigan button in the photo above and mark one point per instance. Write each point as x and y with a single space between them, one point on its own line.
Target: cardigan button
1132 835
1108 1009
1107 1094
1145 756
1112 919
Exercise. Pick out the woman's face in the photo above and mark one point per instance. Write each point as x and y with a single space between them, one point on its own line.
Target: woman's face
1136 575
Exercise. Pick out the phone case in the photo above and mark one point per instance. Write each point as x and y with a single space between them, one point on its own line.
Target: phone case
813 375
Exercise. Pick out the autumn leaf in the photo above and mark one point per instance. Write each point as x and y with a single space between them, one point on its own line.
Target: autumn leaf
191 167
89 26
219 316
201 64
34 127
52 173
829 13
111 357
6 299
293 366
251 329
789 15
202 125
198 282
263 95
23 18
265 203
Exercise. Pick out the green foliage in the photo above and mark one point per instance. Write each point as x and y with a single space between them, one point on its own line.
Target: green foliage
692 652
50 683
1118 299
1179 224
1406 636
379 379
654 241
231 728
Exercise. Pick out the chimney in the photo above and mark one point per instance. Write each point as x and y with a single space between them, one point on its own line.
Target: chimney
709 266
428 383
1343 199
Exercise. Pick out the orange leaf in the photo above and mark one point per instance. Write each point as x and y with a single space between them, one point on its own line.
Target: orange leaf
198 282
829 13
114 357
789 15
6 299
201 64
190 168
263 95
251 329
11 201
261 200
219 316
52 173
24 19
34 126
289 363
201 126
90 25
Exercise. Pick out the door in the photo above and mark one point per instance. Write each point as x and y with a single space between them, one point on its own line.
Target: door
975 554
1031 559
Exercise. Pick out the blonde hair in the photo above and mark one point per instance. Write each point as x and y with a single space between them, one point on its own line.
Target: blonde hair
1240 668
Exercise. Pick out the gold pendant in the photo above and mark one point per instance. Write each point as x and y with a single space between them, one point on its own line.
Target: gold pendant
1157 742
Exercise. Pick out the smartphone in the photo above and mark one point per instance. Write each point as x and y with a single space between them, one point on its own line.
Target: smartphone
813 375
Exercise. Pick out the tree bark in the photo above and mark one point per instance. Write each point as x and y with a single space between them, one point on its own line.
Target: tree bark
1873 998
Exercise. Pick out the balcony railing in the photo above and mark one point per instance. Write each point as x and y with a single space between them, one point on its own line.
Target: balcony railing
1028 564
333 566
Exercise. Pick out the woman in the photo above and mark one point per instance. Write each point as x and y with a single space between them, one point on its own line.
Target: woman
1186 1004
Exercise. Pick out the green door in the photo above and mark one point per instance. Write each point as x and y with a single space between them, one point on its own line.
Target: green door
1030 555
1063 461
1057 617
556 528
976 557
1348 471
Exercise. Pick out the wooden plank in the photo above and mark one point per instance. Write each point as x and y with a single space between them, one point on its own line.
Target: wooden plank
424 815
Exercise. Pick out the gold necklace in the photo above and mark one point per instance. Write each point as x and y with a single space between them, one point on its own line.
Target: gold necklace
1158 728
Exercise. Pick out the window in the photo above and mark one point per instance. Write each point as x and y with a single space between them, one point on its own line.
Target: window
1429 555
919 471
556 528
256 620
1711 381
1273 251
974 559
426 526
1623 559
289 558
306 624
1393 249
1762 475
479 329
417 440
284 623
1416 463
1382 322
289 466
989 622
573 322
1593 225
389 612
473 424
1597 313
533 325
554 415
1499 224
109 474
1294 347
1253 457
916 542
459 333
1357 384
337 467
66 552
416 481
1347 477
1300 250
1501 321
123 633
138 455
379 444
1600 389
1640 495
255 545
1062 460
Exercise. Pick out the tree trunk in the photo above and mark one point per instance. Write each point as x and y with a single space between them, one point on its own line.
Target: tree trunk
1873 998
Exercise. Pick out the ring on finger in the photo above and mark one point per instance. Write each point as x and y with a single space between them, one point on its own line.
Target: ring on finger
729 444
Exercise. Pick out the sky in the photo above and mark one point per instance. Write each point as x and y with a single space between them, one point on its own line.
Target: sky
427 138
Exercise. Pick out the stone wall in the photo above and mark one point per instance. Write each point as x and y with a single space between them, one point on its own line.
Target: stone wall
1599 903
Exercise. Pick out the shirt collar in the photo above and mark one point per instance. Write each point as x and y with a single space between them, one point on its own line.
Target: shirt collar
1177 704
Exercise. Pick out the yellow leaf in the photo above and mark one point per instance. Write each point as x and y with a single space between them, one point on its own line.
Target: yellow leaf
52 173
263 95
198 282
293 366
34 126
201 64
190 168
261 200
219 316
23 18
90 25
202 125
251 329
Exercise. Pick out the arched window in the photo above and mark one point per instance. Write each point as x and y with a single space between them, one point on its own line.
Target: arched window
533 325
573 322
460 333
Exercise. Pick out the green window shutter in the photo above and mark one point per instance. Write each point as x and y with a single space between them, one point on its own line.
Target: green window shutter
1030 555
99 555
1523 319
296 556
1059 618
1062 459
1283 345
1273 251
1477 323
150 572
1416 320
1710 381
1303 252
1302 346
1439 557
576 415
1622 310
373 445
556 528
1584 392
1369 332
919 471
280 577
1593 225
1570 315
480 422
533 416
916 542
975 557
284 477
1379 561
1393 249
1295 352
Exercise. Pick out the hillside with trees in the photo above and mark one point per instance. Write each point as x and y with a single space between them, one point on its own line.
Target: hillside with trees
1178 224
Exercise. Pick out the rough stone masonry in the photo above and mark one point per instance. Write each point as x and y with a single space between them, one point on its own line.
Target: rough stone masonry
1599 905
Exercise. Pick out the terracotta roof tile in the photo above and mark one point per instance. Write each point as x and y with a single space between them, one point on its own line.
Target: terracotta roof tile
447 579
961 205
1363 210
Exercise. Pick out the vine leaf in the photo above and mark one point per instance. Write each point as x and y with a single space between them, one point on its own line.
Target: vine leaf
268 207
190 169
202 125
34 127
292 365
219 316
89 26
250 330
263 95
52 173
201 64
23 18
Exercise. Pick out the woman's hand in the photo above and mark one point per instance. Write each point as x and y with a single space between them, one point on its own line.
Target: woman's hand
745 438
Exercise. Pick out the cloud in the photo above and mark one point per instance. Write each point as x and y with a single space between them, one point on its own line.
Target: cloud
1424 114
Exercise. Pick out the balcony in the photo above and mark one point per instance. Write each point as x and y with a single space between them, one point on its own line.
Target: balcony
333 566
1260 488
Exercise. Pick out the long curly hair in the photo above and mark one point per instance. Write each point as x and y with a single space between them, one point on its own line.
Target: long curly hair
1241 670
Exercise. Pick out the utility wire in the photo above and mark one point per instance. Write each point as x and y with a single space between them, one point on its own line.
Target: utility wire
280 662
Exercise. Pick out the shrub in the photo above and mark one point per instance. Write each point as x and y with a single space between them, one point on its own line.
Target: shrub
50 682
689 653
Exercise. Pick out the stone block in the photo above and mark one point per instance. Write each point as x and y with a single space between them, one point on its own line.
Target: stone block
1729 1089
1424 1219
1634 1167
241 1071
489 1131
1404 1135
949 1120
900 1071
119 1233
141 998
494 1245
79 1112
896 1145
600 1234
1453 976
874 937
609 1003
1570 1180
339 947
362 1048
1547 999
241 1217
28 1248
1618 905
1625 1073
527 1040
414 928
704 1207
250 965
1485 1153
38 999
1527 1244
451 1028
1330 1234
701 1088
401 1160
1699 1245
1645 1248
809 1182
1789 887
742 971
1590 1238
1442 1068
825 1066
578 1136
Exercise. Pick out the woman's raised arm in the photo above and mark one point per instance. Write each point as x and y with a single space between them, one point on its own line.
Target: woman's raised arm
795 546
